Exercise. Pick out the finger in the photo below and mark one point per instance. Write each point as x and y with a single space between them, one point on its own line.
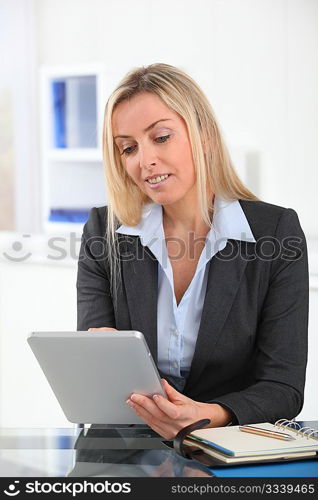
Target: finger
143 413
167 407
169 389
164 411
164 430
148 404
172 393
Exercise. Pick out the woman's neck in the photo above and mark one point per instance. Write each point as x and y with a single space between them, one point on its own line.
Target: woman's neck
183 217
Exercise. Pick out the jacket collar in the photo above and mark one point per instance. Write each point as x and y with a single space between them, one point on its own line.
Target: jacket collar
229 222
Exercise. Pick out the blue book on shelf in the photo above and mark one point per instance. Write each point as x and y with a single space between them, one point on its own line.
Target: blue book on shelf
59 119
68 215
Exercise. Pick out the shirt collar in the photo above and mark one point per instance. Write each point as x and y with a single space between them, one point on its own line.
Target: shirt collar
149 225
229 222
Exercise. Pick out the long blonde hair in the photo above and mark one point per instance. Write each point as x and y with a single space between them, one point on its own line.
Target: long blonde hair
214 170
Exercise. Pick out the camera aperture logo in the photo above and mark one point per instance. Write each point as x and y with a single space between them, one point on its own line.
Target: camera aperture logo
73 488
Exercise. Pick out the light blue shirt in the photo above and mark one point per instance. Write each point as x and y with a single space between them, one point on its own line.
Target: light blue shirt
178 325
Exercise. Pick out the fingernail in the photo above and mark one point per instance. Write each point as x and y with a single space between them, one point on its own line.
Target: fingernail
133 397
130 403
155 397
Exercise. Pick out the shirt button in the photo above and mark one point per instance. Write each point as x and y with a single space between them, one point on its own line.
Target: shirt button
175 365
176 332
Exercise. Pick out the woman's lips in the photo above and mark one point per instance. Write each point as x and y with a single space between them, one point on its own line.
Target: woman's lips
157 184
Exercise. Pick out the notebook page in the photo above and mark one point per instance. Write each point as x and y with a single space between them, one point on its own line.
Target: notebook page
233 442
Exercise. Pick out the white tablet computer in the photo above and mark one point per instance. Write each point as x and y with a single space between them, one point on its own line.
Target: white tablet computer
93 373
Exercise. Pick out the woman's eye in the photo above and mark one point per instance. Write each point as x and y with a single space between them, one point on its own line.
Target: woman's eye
126 152
161 140
166 137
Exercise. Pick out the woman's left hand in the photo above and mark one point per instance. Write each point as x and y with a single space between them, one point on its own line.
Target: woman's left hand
168 416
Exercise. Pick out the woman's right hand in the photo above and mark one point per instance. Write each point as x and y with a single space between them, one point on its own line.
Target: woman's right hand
101 328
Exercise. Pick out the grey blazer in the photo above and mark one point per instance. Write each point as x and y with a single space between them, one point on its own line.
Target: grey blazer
251 350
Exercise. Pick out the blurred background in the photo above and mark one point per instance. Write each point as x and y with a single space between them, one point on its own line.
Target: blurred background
256 60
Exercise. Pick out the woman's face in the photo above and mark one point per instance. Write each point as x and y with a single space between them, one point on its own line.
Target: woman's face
153 142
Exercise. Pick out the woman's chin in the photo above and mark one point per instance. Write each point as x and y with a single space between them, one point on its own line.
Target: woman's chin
164 199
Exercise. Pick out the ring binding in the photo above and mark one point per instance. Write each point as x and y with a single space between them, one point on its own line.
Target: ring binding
305 431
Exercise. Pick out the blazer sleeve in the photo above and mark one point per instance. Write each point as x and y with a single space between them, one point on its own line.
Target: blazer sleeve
281 350
94 303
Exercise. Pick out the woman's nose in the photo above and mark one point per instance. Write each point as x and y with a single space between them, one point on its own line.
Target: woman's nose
147 156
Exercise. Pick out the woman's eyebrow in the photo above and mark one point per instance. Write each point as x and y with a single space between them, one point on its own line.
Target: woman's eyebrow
146 129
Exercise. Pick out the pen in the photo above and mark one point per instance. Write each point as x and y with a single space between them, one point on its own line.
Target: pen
266 432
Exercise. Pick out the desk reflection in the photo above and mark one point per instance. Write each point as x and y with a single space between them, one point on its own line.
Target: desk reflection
129 452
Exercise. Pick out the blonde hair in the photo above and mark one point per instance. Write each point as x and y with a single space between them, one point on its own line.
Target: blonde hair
214 170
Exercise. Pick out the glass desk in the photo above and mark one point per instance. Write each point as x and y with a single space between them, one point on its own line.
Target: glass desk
96 451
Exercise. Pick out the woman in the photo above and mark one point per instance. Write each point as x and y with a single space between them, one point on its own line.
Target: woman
216 280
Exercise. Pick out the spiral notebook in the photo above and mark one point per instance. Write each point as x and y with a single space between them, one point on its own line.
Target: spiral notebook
229 445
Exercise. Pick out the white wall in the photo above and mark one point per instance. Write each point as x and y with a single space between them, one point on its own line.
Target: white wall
18 77
255 59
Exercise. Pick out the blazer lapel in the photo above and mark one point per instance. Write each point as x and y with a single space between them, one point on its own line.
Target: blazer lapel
223 281
140 275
